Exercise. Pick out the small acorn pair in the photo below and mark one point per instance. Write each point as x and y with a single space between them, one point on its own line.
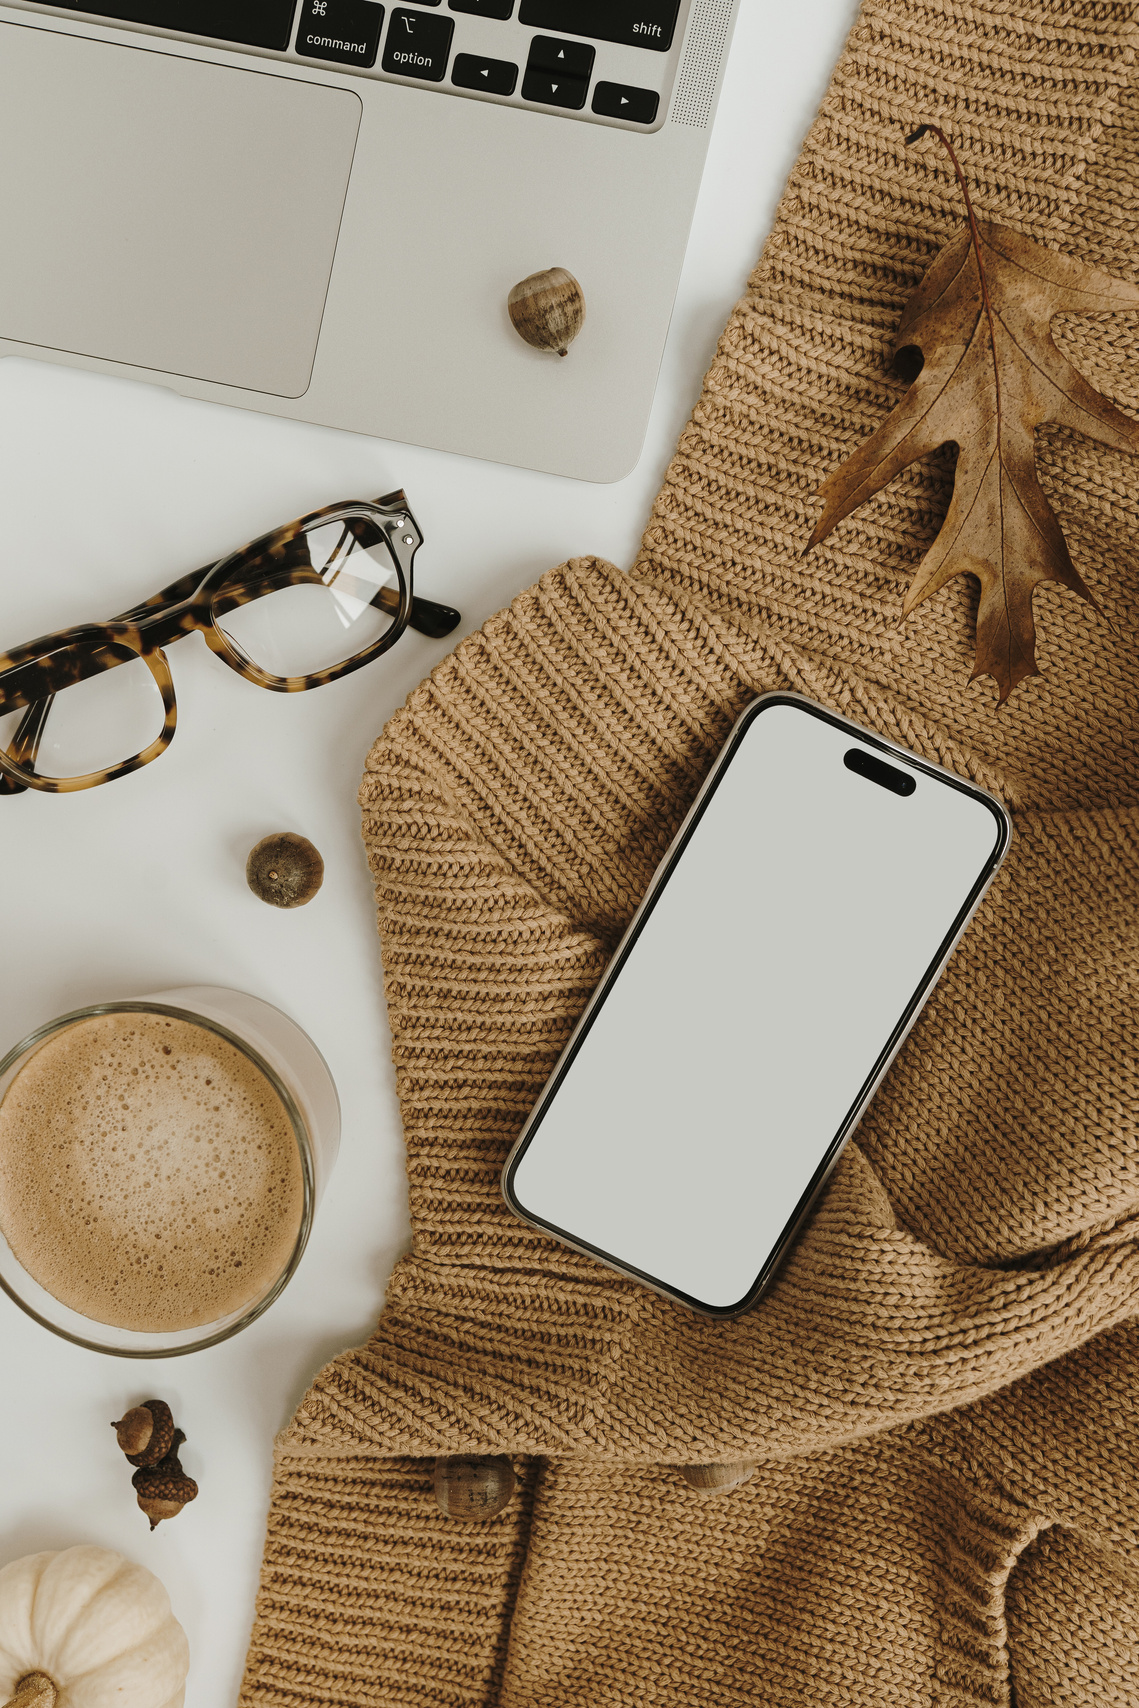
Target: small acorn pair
149 1439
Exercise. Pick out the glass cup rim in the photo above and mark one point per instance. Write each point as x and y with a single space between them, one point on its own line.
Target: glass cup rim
304 1150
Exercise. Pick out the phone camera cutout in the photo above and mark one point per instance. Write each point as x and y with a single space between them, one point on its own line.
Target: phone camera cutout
865 764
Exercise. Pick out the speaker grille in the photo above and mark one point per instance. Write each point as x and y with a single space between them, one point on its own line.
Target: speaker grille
695 91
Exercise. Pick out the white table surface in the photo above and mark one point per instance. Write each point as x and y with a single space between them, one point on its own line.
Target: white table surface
108 490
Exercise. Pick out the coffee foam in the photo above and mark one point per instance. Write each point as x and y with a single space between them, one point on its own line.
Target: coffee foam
149 1173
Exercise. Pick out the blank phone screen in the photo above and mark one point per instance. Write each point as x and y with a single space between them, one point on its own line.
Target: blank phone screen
785 946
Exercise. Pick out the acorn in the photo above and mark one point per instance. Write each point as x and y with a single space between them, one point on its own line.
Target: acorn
284 870
548 309
164 1489
146 1432
473 1488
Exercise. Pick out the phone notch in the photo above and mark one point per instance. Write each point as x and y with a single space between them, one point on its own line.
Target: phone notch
867 765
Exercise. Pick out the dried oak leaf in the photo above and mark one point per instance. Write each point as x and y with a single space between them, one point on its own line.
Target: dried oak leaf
981 319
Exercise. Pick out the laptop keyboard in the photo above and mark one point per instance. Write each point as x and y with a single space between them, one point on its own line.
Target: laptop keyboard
583 68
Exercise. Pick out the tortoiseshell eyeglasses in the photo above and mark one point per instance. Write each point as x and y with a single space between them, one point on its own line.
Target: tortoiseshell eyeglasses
299 607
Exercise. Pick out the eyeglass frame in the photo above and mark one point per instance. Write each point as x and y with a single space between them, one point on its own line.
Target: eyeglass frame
190 605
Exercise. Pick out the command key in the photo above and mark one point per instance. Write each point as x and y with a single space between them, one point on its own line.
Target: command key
347 32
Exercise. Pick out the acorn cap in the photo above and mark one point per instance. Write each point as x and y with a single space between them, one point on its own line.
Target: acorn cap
284 870
146 1432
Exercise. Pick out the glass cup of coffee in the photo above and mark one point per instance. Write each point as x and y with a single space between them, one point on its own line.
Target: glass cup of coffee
160 1165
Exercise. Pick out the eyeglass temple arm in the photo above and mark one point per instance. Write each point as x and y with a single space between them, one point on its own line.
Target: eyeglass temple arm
183 588
26 742
427 616
431 619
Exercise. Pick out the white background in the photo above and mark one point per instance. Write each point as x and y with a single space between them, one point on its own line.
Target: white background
108 490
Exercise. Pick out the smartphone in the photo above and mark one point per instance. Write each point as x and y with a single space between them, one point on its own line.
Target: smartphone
782 952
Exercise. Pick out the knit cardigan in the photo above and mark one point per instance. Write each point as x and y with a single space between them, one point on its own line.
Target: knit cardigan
940 1392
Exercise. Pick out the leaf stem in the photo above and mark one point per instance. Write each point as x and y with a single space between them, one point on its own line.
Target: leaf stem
975 237
936 130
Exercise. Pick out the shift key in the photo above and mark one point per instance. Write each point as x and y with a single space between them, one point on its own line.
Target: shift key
636 23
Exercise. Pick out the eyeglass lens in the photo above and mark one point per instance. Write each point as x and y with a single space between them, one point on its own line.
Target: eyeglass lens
99 722
343 593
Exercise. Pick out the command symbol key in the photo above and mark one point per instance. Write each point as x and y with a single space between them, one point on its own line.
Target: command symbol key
346 32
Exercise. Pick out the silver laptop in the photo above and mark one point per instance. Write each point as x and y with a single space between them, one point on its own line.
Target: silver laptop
317 208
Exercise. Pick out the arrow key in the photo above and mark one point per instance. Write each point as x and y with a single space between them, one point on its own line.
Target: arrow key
621 101
489 76
568 59
553 90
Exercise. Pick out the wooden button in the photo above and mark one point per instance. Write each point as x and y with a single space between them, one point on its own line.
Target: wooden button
717 1479
473 1488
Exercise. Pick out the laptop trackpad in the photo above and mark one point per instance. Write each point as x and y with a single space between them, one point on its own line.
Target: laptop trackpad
166 212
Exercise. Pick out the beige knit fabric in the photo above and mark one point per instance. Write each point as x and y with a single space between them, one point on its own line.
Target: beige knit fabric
940 1391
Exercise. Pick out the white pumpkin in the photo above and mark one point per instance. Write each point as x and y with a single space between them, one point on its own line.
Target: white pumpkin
99 1627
